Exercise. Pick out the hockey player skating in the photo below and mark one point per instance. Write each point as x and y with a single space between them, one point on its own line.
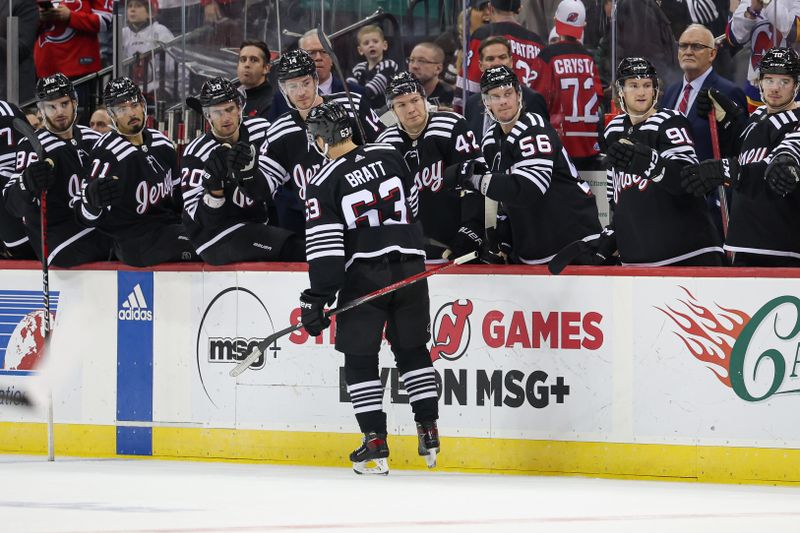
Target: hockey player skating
15 243
290 160
361 235
67 146
655 220
225 189
131 192
764 220
547 204
431 142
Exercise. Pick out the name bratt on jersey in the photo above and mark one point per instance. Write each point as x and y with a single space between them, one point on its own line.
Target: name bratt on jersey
301 176
624 180
753 155
148 194
430 177
365 174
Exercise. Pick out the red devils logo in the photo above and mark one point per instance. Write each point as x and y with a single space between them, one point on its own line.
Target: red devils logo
572 17
449 328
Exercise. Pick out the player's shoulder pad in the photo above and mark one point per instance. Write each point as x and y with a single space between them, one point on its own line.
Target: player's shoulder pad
663 118
615 125
326 170
49 141
379 147
159 139
527 122
116 146
201 147
390 135
783 118
88 134
256 128
488 136
285 125
442 124
342 99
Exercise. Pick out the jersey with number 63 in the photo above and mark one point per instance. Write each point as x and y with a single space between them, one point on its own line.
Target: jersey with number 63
362 205
547 203
446 141
656 221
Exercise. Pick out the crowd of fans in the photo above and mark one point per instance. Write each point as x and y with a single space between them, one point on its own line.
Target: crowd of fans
704 55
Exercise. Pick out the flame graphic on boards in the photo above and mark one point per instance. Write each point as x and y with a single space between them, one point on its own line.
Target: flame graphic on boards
708 335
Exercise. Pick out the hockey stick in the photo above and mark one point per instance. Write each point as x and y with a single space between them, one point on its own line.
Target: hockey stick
245 363
326 45
723 198
26 129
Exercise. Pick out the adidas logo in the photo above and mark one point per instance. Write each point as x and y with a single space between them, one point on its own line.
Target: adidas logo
359 157
135 306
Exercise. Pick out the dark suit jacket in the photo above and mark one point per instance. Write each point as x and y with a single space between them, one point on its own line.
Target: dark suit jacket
700 130
279 105
474 110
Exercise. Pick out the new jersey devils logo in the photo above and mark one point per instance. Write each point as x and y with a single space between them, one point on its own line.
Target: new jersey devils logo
451 330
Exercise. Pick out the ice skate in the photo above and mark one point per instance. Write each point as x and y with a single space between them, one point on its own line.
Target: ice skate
371 456
428 435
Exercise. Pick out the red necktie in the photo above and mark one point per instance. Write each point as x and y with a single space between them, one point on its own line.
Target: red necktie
682 107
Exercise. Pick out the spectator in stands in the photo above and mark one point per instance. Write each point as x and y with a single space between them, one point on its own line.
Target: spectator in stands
28 20
696 54
100 121
215 11
478 15
328 82
425 63
537 15
755 23
68 42
253 72
525 48
373 75
572 88
141 35
493 52
34 117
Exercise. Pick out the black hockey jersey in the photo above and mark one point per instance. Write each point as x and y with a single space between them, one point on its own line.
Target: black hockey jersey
374 80
292 161
150 197
656 221
547 203
204 225
12 231
70 160
446 141
761 221
362 205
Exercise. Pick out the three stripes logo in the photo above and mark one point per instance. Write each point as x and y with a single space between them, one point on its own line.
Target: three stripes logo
135 306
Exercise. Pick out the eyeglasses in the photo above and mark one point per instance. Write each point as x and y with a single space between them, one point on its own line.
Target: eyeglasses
312 53
412 60
696 47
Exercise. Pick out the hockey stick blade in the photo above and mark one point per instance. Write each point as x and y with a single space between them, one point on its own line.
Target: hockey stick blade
326 45
567 255
262 346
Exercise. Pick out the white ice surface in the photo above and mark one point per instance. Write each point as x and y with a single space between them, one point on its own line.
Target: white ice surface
168 496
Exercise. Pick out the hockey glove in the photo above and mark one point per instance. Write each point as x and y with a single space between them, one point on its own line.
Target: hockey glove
103 192
465 241
312 312
242 161
38 177
783 174
465 175
703 178
216 169
634 157
725 110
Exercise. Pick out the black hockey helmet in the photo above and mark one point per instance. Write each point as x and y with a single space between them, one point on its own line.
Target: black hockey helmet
121 90
55 86
295 64
215 91
780 61
636 68
403 83
499 76
329 121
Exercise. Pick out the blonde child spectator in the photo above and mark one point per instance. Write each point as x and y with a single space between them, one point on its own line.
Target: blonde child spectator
374 73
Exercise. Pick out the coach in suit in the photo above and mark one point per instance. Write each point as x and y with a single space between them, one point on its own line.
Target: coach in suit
696 53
